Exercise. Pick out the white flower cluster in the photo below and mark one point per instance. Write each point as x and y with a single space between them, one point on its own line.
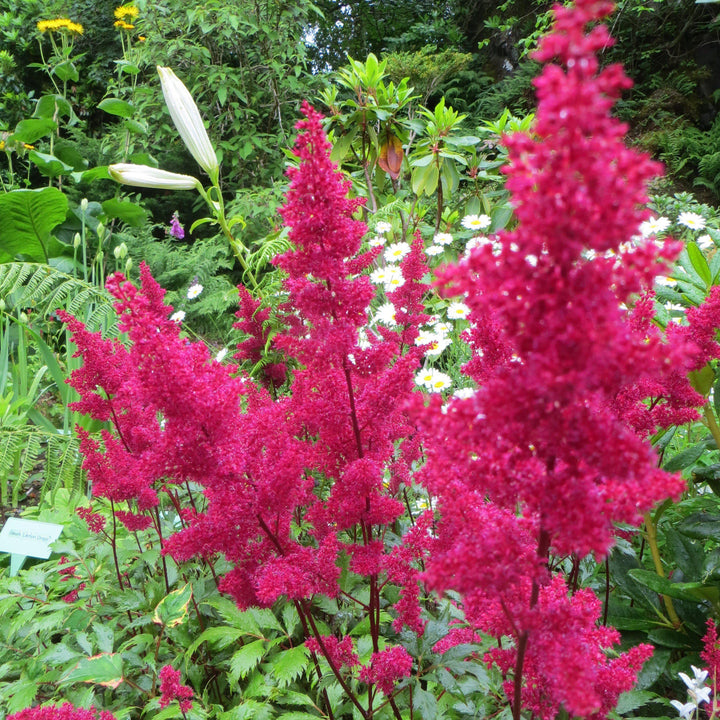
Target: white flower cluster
698 692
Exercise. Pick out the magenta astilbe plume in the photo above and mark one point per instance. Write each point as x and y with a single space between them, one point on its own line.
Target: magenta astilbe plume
66 711
540 461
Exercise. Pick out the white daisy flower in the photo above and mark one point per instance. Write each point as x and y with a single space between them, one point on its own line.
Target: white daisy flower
705 242
476 222
653 226
377 241
425 337
178 316
396 251
194 290
457 310
433 380
442 328
665 281
464 393
383 227
386 314
439 344
443 239
691 220
433 250
379 275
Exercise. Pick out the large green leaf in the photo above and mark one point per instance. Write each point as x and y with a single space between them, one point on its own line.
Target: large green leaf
105 669
28 217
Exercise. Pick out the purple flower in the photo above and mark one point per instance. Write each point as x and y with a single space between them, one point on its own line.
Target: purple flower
176 229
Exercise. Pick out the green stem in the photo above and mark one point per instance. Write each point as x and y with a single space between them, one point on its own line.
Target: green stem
651 533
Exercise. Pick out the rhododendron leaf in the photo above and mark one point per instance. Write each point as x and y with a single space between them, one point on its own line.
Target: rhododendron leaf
688 456
699 263
105 669
682 591
700 526
342 145
289 664
669 638
172 609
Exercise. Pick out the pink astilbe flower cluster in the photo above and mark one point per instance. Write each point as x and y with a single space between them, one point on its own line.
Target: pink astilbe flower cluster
66 711
329 458
387 667
540 461
172 689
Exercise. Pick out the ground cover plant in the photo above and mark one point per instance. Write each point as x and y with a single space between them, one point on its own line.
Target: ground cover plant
413 489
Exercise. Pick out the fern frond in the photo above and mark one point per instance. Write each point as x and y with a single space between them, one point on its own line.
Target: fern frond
45 289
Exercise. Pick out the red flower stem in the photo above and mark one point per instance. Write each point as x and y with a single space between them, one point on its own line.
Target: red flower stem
542 551
331 663
114 547
162 557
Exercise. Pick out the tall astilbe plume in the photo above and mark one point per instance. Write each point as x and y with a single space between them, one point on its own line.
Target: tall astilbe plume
539 461
289 483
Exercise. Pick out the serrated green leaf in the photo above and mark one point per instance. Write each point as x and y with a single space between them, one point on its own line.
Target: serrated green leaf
245 659
105 669
633 699
288 665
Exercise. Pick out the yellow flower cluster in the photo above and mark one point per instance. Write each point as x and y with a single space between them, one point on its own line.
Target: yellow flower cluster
123 25
60 24
126 11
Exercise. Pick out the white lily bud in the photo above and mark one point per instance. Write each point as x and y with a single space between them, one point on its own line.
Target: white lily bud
150 177
188 122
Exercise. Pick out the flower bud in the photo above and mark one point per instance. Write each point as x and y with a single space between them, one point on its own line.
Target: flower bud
23 318
100 230
120 251
84 204
77 241
146 176
128 266
187 120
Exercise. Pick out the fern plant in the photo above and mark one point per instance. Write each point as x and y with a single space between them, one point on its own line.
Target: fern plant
35 359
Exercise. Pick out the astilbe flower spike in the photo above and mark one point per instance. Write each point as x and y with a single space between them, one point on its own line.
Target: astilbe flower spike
316 458
539 461
66 711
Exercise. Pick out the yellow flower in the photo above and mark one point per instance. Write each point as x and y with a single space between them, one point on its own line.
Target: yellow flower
2 144
126 11
141 38
123 25
60 24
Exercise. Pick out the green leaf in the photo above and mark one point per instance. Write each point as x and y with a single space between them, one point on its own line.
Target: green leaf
28 131
700 526
116 106
342 145
686 458
66 71
691 591
125 210
28 216
632 700
173 608
699 263
425 703
245 659
288 665
105 669
48 165
50 106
